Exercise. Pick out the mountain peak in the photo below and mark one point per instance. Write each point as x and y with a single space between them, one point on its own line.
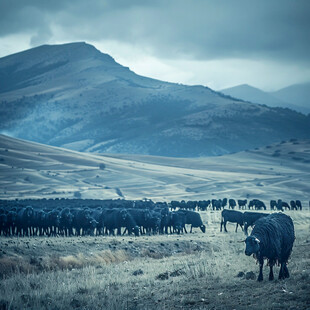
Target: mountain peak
56 53
240 87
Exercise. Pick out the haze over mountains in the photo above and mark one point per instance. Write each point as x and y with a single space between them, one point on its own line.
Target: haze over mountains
74 96
295 97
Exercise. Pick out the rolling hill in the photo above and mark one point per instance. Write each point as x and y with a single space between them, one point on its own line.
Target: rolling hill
32 170
76 97
297 94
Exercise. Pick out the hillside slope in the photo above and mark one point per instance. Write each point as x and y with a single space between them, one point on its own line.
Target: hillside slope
32 170
297 94
74 96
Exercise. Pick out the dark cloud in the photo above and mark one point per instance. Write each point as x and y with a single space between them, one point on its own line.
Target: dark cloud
200 29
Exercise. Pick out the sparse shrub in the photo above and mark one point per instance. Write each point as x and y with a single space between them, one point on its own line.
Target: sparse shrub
102 166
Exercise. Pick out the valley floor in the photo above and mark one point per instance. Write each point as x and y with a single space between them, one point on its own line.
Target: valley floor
190 271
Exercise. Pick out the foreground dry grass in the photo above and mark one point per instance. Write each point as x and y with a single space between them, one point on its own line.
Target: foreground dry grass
193 271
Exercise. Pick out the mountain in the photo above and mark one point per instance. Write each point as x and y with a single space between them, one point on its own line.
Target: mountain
74 96
297 94
252 94
33 170
294 97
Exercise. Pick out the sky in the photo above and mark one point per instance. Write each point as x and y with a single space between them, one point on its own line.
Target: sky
216 43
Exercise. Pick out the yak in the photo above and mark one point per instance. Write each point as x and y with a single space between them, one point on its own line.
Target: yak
272 238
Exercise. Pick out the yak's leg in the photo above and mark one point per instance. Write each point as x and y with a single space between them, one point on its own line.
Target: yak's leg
260 276
285 271
236 227
281 273
271 272
222 222
225 226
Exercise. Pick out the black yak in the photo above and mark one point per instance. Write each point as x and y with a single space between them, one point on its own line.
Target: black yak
272 238
233 217
194 219
249 219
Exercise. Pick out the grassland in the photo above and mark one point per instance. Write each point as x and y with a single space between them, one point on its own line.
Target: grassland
190 271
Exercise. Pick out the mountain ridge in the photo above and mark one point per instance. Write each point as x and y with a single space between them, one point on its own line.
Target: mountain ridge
283 97
91 103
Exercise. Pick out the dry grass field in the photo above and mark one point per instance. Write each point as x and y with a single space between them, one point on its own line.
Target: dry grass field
189 271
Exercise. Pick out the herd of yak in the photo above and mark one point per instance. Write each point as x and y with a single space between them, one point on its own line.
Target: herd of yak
109 217
272 236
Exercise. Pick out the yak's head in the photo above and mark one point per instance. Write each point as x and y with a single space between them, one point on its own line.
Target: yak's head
251 245
124 214
28 212
203 228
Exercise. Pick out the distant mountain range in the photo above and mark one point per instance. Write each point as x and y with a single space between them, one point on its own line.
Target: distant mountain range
295 97
74 96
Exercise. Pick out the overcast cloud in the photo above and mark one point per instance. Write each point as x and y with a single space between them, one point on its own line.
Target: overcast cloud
216 43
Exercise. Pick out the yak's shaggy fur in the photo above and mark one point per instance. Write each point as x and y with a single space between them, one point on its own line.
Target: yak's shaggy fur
272 238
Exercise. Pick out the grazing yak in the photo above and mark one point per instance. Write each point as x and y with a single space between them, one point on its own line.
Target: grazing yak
242 203
177 221
274 206
293 205
193 218
216 204
203 205
298 204
282 204
249 219
232 203
272 238
224 203
233 217
24 221
257 204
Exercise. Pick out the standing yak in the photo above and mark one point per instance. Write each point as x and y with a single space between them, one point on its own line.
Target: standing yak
233 217
272 238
